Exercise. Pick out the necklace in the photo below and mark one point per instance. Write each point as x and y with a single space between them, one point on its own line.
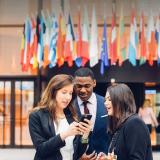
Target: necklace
60 117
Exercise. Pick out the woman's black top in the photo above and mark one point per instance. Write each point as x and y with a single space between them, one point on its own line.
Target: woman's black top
132 141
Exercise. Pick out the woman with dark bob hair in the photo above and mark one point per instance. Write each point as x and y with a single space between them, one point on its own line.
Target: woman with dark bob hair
130 136
53 125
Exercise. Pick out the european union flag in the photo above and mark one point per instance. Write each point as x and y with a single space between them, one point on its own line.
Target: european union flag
104 50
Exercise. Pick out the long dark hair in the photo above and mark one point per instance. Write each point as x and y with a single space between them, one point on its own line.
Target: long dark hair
48 99
123 105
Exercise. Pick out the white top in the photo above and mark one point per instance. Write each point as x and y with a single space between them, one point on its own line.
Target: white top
67 150
148 116
92 107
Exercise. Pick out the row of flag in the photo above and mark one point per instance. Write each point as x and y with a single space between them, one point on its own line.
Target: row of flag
49 41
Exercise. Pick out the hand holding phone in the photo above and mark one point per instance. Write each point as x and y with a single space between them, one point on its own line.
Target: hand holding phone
85 125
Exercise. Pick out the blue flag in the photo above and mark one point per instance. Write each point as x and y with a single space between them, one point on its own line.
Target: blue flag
104 50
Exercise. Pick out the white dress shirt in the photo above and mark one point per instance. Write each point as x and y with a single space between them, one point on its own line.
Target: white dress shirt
67 150
91 105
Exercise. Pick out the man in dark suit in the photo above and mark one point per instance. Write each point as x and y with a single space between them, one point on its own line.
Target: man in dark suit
89 102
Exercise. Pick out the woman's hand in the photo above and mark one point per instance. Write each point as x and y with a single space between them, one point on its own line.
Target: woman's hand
85 128
72 130
101 156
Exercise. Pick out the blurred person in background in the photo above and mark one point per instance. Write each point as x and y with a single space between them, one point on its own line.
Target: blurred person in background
147 115
158 119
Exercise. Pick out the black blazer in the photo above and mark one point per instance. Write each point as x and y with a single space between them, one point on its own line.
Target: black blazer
133 142
46 142
98 139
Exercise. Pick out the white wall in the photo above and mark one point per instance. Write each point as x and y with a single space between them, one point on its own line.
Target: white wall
13 12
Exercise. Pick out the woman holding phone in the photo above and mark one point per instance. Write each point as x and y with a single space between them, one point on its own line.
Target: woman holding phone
54 128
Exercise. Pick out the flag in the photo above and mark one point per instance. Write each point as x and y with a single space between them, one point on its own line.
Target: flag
22 47
113 43
78 58
35 50
104 50
69 43
41 41
53 41
121 45
133 42
158 39
142 37
157 34
151 41
61 41
33 32
47 39
25 62
33 47
85 39
93 52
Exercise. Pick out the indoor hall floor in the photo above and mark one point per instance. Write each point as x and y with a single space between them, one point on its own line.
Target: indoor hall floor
28 154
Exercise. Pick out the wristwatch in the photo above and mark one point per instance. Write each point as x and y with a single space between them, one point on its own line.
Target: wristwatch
84 140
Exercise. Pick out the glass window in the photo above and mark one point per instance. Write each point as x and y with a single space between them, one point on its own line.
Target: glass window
5 106
154 96
24 93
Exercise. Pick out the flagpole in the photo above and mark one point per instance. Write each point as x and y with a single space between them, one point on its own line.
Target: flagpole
62 6
40 6
104 10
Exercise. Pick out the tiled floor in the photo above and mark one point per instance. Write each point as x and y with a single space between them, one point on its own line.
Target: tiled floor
156 155
28 154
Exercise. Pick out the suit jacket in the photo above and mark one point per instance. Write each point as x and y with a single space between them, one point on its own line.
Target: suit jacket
98 139
133 142
45 140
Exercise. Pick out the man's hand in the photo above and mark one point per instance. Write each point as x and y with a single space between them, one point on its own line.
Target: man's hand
91 156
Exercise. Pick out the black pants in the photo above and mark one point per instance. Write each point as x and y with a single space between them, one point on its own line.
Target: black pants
158 129
149 127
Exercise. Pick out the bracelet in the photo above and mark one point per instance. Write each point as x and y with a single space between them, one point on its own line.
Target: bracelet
84 140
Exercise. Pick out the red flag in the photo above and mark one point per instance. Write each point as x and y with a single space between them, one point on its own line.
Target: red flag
143 49
33 47
151 40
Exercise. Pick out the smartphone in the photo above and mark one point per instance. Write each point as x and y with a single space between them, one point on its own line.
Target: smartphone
85 116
